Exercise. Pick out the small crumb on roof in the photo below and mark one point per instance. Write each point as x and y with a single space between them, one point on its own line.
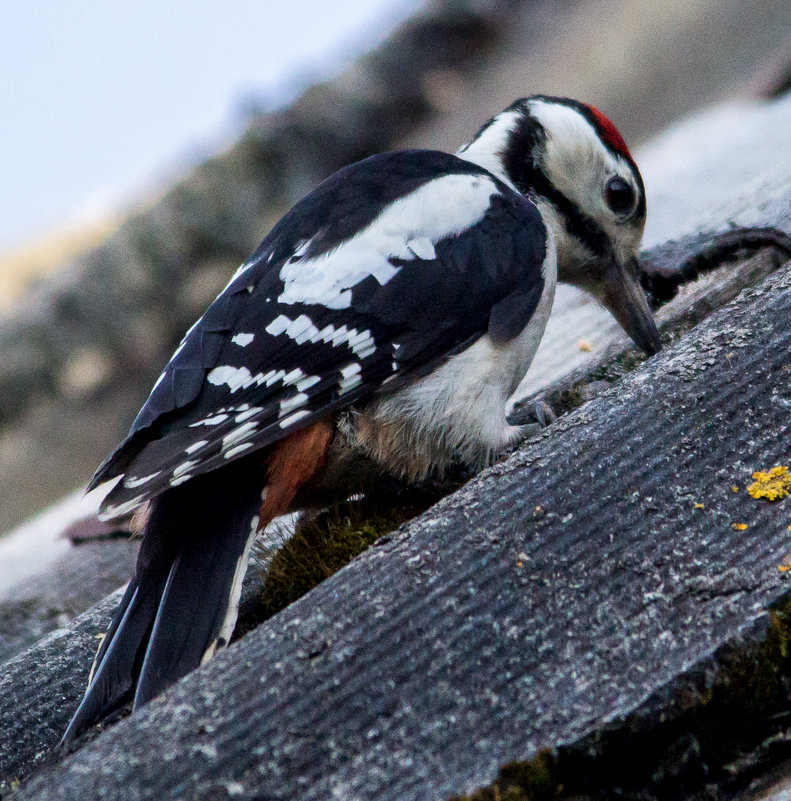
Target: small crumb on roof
584 345
738 526
772 485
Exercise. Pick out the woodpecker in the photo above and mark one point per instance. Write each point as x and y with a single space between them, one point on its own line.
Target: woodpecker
378 330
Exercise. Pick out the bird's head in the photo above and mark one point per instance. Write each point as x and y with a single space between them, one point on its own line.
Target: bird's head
574 164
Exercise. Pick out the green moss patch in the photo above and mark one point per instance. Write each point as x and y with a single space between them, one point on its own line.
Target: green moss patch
326 541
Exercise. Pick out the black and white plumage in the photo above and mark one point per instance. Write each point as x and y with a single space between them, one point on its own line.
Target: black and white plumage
385 269
384 321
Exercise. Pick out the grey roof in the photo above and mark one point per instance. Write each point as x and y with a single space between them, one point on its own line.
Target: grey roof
555 593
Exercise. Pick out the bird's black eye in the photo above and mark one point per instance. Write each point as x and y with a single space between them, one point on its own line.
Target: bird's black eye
619 195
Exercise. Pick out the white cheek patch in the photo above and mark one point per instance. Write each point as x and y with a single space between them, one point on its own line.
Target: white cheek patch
440 208
577 161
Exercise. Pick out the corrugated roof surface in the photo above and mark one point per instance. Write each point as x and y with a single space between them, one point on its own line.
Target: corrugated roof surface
554 592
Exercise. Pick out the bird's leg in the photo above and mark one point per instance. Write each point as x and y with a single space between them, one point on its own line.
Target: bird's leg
293 462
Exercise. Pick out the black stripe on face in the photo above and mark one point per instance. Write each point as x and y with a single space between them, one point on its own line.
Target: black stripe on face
522 167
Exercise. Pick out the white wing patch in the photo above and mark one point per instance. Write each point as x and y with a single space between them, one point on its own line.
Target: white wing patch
234 377
292 418
196 446
214 420
133 483
239 433
243 340
236 450
422 247
300 330
291 403
351 377
410 226
303 330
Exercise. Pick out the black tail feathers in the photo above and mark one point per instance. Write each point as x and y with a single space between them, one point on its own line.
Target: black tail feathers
182 603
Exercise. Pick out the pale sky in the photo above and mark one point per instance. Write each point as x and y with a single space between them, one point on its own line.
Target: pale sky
101 99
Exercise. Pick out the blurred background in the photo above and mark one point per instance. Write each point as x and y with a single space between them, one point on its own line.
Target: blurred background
146 148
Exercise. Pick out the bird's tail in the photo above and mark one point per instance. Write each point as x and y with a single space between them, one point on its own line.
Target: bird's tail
183 601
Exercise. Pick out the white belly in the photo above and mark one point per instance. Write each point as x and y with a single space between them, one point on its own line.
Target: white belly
458 410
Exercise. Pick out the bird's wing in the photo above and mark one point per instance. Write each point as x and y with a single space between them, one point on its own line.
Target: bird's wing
390 266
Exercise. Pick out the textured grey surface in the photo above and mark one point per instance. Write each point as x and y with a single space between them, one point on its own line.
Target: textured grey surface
81 577
553 593
39 688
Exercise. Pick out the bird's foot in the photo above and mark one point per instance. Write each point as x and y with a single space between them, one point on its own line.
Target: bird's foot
531 415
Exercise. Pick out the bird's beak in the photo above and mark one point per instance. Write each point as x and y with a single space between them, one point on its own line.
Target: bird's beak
623 296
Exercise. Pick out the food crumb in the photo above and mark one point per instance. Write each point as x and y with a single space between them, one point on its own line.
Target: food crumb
772 485
584 345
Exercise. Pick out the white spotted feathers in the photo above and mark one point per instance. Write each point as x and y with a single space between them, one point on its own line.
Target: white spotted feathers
373 279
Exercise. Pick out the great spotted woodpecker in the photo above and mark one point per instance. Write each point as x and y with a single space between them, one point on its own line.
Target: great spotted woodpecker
378 329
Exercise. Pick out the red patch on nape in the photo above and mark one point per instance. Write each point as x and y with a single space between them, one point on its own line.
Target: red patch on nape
609 133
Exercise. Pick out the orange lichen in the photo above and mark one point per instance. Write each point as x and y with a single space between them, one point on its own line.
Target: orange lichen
734 488
772 485
698 506
785 567
738 526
